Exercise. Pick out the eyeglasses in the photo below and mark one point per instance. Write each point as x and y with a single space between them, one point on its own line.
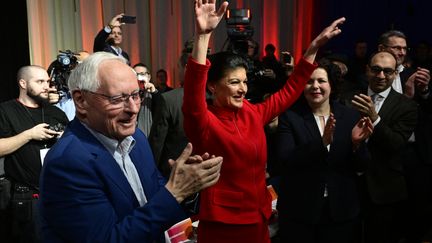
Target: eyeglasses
143 73
377 70
118 100
399 48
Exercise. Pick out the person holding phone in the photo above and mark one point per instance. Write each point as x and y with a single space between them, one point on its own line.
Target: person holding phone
110 38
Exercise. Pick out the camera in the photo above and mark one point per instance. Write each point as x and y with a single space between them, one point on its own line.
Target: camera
60 69
286 58
57 127
240 42
128 19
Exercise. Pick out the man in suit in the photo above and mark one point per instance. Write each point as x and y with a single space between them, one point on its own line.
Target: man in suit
167 137
394 117
99 182
110 38
414 84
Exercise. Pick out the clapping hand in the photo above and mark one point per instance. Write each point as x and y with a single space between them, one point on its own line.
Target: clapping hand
361 131
190 174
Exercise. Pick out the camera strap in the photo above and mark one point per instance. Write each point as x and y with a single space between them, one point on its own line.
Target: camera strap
31 116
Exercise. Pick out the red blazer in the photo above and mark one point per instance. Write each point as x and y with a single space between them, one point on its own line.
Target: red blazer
240 196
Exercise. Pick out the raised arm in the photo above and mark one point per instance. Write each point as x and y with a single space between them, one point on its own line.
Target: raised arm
327 34
206 21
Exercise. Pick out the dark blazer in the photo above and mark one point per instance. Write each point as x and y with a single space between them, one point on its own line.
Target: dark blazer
307 166
167 138
101 44
384 174
85 196
423 131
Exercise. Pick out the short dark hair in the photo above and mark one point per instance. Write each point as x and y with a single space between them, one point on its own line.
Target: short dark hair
270 47
162 71
384 38
140 64
222 62
334 74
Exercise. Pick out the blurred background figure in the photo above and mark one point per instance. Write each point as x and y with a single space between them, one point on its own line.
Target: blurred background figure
148 100
110 38
167 137
162 81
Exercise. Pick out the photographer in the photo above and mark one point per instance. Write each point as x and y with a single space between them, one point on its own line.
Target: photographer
59 71
263 79
31 126
110 38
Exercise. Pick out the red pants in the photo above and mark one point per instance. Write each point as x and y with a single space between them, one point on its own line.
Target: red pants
209 232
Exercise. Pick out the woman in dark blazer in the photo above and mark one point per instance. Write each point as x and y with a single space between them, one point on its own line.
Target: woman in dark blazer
320 148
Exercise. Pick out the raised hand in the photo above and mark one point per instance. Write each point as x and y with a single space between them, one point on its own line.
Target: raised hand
206 16
115 21
328 33
325 35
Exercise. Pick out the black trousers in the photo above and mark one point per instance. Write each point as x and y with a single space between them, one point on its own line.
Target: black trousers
23 215
325 231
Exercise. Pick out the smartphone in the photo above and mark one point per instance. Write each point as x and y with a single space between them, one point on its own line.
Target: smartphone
128 19
286 58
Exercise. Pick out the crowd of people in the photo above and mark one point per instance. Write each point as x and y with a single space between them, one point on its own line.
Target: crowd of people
346 143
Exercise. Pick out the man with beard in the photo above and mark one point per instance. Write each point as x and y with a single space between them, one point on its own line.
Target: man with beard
31 126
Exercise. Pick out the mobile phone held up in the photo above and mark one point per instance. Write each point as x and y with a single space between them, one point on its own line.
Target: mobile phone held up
286 58
128 19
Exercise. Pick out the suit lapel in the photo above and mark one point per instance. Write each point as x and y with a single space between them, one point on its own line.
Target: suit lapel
103 159
310 122
388 104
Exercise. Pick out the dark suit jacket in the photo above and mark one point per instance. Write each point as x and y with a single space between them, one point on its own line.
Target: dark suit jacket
100 44
167 138
307 166
384 173
423 131
85 196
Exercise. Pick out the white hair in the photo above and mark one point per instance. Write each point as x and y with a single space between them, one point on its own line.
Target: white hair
85 75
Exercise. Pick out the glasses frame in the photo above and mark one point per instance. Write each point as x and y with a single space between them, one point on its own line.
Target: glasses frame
386 71
116 100
143 73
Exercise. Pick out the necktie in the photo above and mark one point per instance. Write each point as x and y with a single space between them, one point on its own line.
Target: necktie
377 99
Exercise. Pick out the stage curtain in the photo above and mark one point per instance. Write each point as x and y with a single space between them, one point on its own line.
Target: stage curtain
162 28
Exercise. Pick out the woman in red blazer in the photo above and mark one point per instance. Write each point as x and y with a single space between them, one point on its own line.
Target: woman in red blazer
237 208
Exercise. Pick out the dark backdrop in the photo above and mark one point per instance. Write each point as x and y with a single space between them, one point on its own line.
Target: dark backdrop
367 19
15 47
